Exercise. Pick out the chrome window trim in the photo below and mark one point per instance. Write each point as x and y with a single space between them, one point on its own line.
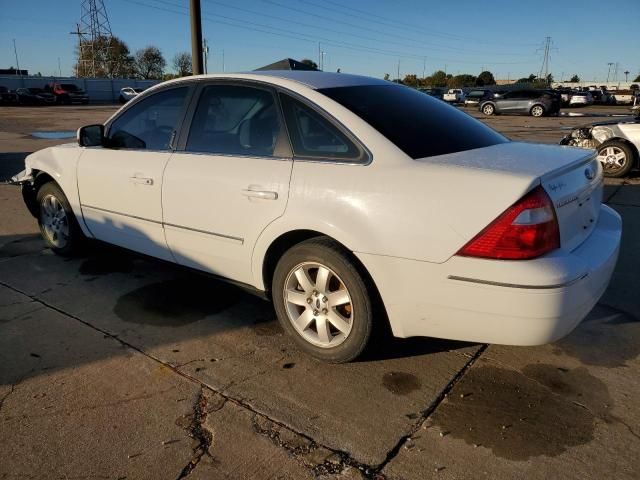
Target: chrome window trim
164 224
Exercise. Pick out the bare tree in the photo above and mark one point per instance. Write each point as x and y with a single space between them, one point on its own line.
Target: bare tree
182 64
150 63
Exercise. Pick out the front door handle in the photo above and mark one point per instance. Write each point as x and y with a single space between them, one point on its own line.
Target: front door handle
141 180
262 194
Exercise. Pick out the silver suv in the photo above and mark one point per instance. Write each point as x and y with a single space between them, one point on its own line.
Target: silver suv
528 102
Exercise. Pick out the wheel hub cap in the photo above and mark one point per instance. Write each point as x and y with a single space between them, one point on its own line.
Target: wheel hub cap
53 219
318 304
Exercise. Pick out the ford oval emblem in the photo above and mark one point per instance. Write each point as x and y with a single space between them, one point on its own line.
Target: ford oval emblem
589 173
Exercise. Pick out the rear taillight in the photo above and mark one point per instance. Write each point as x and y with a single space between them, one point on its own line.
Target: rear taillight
527 229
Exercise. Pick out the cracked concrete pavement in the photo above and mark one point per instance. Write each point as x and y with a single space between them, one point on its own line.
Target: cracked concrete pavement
115 366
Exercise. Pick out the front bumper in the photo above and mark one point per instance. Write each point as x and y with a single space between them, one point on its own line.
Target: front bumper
529 302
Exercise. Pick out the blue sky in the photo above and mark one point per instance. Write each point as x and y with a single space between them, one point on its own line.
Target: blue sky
358 36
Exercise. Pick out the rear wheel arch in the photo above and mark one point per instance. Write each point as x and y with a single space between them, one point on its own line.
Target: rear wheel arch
286 241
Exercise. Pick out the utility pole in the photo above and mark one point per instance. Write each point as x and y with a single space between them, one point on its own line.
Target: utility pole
15 51
223 67
424 66
59 68
196 37
205 51
319 56
609 71
544 69
626 75
398 77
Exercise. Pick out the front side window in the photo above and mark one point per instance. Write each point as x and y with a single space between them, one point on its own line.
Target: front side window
150 123
234 120
313 136
417 124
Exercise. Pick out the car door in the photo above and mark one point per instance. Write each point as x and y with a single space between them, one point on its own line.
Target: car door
120 185
508 102
228 180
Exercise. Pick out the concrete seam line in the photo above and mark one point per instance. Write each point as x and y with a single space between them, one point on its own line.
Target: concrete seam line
431 408
347 460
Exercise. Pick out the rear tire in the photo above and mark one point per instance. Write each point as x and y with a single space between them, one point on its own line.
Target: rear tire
537 111
616 158
322 301
58 225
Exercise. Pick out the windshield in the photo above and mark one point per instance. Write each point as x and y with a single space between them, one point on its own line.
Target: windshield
418 124
69 87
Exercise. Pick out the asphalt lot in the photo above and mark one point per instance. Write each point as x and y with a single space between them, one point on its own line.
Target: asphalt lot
115 366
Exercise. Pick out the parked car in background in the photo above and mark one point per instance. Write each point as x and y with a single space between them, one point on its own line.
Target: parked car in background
622 97
474 97
186 173
34 96
524 102
581 99
127 93
433 92
454 95
7 97
617 143
67 93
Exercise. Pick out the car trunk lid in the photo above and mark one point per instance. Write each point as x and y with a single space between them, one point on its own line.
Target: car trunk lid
572 177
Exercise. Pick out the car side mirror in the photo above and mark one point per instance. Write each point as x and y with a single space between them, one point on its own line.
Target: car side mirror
91 136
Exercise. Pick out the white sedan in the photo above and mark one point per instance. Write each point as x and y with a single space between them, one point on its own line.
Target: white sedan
349 201
129 93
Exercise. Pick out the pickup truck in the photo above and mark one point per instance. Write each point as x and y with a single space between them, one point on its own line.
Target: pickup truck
67 93
454 95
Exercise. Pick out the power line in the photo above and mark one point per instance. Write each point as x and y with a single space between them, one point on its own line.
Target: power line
342 32
403 25
301 36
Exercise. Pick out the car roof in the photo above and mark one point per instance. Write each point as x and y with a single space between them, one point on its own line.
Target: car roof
319 80
312 79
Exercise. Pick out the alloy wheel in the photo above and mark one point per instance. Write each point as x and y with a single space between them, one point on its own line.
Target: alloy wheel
318 304
612 158
537 111
55 223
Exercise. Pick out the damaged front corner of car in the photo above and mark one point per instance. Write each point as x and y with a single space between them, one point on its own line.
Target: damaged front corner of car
25 176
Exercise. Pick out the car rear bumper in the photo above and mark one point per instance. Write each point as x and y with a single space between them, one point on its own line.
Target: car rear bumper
529 302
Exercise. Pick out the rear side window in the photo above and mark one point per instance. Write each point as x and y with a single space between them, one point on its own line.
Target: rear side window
313 136
421 126
235 120
150 123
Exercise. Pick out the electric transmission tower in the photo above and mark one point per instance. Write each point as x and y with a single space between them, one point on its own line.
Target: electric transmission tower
544 69
94 41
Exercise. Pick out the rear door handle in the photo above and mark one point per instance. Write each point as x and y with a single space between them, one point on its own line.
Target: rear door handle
141 180
263 194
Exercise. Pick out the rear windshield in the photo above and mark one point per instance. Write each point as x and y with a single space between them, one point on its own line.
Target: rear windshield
69 87
421 126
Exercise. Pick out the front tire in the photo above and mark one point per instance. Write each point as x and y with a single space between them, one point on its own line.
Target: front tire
616 158
322 301
58 225
488 109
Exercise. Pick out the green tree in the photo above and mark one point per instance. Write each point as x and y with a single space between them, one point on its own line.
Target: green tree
574 79
485 78
105 57
387 77
637 79
182 64
410 80
150 63
459 81
309 62
438 79
530 79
